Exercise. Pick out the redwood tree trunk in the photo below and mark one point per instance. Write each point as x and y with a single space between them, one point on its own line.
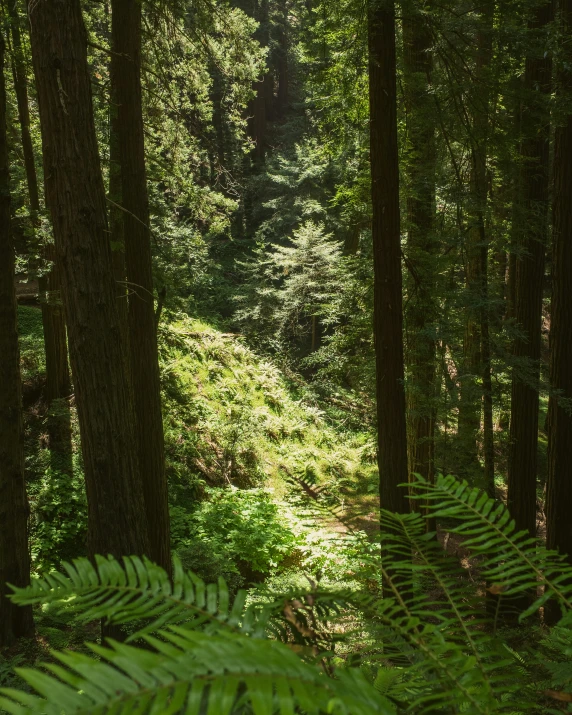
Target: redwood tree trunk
282 95
260 103
115 195
58 386
529 279
15 621
126 45
421 243
75 197
388 320
481 132
559 488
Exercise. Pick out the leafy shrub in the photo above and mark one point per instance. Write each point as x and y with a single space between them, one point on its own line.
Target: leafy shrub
59 519
32 357
242 526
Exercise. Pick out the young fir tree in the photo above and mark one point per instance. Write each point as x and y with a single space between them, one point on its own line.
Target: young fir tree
75 197
15 621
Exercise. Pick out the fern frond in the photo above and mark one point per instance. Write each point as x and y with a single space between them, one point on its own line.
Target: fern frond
511 560
192 672
142 591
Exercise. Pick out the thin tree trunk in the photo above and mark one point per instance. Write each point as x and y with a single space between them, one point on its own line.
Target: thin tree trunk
282 96
58 383
488 427
126 44
559 487
421 244
258 105
529 279
15 621
481 131
75 197
388 320
58 387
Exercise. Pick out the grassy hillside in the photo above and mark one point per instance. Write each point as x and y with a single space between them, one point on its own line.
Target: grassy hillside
232 417
240 438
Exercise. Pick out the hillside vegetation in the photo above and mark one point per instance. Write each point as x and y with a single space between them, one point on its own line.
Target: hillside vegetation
255 463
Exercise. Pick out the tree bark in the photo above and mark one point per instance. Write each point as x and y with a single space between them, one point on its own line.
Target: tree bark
559 487
126 45
58 383
258 105
75 197
116 228
15 621
388 308
529 279
58 387
421 244
481 132
282 95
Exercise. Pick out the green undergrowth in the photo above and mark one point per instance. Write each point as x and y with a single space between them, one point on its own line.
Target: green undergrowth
32 357
240 441
233 417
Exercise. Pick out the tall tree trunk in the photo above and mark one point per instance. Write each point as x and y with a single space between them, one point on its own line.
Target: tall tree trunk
388 308
476 377
58 383
258 105
559 488
75 197
282 96
522 463
15 621
58 386
421 243
126 45
480 248
116 229
469 419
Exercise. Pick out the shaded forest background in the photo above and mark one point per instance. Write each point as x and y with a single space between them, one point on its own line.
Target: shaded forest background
273 256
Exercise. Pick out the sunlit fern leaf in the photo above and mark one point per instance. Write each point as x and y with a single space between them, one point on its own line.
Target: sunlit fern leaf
192 672
433 626
140 591
439 590
511 560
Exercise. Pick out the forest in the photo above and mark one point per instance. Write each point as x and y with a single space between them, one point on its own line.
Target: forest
285 357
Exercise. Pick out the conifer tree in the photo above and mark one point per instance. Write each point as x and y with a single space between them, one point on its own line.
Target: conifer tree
15 621
75 197
421 242
532 217
559 487
58 385
388 308
126 47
